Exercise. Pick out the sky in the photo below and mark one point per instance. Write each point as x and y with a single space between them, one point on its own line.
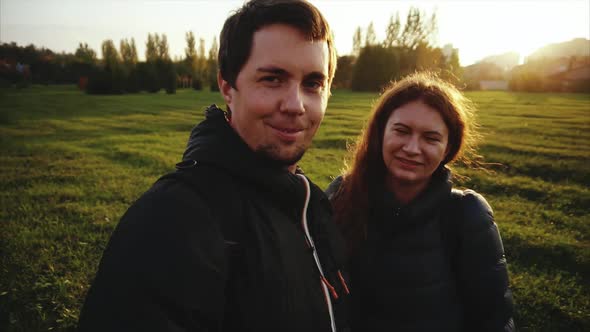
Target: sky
478 28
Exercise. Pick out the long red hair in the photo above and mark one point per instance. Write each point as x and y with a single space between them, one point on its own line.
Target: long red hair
367 168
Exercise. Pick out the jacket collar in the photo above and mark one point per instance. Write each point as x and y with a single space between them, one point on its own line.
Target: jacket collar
214 142
388 212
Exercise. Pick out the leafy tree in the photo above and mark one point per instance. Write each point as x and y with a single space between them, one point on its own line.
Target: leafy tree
451 68
158 57
356 42
109 78
191 52
428 58
151 48
82 67
392 32
202 67
162 44
370 37
418 30
110 56
168 75
128 52
164 65
375 67
200 74
343 75
148 77
129 59
212 66
85 54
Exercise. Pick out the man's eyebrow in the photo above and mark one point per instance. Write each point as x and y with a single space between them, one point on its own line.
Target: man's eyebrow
272 70
316 75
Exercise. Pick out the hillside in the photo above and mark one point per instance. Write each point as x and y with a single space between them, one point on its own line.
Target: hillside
574 47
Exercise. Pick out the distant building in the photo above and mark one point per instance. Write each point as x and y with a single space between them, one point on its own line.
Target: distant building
448 51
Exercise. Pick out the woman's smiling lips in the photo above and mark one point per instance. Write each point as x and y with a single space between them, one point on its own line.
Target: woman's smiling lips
407 163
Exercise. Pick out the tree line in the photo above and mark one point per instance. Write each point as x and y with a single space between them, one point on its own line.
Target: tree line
406 48
121 71
372 64
118 70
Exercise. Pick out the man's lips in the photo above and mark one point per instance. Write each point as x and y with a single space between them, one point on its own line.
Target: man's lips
287 133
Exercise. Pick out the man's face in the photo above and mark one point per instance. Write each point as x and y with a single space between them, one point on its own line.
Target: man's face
281 93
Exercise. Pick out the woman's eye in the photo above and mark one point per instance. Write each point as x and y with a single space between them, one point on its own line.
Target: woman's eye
401 131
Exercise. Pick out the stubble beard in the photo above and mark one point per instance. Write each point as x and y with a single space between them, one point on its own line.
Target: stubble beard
273 152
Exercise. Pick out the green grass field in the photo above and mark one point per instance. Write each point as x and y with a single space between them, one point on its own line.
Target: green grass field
71 164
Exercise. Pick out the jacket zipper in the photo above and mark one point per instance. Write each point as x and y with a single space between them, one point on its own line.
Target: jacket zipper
326 287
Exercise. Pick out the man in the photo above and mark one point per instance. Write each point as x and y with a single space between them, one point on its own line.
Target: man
237 239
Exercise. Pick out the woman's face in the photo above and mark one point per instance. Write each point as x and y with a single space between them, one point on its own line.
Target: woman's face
415 142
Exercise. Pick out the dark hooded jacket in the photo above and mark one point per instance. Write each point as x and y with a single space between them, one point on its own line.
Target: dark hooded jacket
435 264
169 266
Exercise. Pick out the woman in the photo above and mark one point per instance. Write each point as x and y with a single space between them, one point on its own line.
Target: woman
423 257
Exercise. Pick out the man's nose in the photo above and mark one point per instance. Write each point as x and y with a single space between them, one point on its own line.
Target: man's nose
292 101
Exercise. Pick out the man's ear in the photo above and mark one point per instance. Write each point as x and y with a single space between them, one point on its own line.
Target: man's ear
225 88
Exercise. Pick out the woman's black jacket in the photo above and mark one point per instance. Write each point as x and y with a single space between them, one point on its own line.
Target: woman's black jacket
436 264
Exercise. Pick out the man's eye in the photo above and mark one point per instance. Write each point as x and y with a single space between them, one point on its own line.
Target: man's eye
314 85
270 79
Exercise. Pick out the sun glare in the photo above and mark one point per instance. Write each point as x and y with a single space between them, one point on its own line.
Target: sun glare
477 28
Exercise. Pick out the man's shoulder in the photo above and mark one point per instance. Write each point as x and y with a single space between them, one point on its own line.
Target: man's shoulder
168 201
168 190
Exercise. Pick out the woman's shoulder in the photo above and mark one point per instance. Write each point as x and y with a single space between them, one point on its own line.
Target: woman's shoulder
476 210
333 187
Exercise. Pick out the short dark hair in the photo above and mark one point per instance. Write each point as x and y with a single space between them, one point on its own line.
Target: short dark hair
235 41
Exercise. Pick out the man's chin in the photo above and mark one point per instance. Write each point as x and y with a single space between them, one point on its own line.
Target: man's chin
281 157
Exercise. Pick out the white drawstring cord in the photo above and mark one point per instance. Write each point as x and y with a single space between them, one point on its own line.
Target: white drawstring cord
315 254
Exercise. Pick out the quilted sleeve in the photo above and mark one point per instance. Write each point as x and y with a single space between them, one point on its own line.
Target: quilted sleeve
483 277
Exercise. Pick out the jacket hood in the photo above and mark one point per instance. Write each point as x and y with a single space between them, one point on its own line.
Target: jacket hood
214 142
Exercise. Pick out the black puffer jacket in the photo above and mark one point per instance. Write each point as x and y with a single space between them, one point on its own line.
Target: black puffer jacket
169 266
407 277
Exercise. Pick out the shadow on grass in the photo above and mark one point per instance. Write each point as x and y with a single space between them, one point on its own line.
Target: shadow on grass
546 257
548 312
563 167
573 202
330 143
